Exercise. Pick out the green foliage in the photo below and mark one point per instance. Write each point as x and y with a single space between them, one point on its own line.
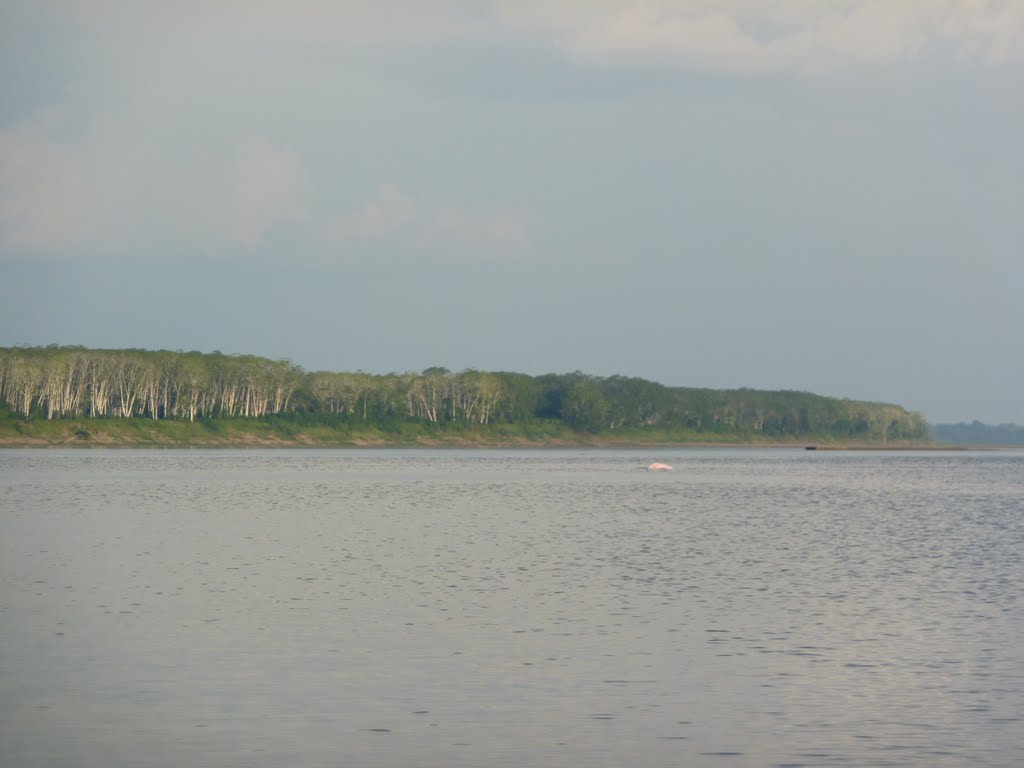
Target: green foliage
281 401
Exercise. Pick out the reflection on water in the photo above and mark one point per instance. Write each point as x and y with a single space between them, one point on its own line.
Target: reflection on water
557 608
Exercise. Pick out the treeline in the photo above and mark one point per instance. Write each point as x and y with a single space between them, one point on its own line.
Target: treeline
976 433
60 382
63 382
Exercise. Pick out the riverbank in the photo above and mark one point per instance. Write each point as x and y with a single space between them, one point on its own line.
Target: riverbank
252 433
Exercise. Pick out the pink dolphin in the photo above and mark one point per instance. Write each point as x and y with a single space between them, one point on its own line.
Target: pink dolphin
659 465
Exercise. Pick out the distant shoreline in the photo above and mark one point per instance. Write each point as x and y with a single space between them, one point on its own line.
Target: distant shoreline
140 432
173 397
929 447
185 436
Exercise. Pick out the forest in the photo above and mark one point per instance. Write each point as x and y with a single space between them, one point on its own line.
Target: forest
62 382
976 433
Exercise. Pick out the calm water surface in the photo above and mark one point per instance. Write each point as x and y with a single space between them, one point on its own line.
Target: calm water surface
531 608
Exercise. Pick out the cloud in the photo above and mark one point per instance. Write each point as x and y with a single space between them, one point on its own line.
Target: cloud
267 188
775 35
389 213
70 185
44 193
751 36
392 215
69 192
304 22
488 228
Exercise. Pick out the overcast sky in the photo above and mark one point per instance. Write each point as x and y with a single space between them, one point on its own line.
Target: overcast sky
785 194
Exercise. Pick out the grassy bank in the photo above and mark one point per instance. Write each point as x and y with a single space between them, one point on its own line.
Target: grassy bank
280 432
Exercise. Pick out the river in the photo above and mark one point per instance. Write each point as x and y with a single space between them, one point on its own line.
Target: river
511 608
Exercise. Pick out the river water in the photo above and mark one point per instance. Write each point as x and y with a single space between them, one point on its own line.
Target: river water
499 608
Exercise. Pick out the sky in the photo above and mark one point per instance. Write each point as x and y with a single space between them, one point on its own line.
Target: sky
818 195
